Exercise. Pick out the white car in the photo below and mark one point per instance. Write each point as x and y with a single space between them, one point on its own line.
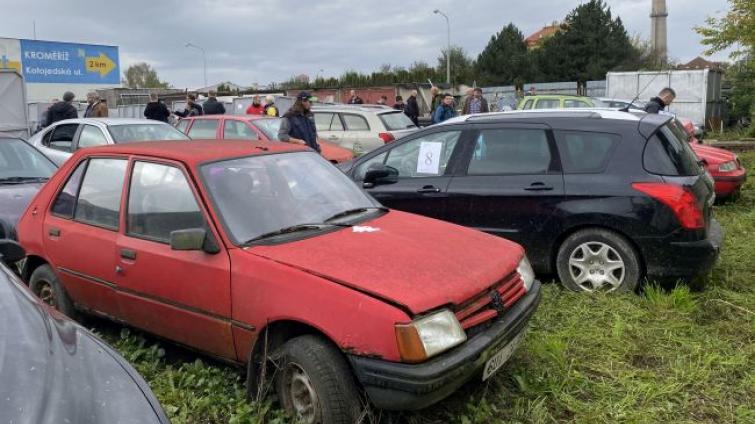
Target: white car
361 128
59 140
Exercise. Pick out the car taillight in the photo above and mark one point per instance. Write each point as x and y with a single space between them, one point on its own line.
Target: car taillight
681 201
386 137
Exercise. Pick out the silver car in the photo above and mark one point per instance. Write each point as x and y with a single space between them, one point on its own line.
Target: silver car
59 140
361 128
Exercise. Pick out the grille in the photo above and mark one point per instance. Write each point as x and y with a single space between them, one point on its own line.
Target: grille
491 303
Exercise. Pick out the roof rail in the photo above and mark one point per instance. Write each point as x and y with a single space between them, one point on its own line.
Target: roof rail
560 113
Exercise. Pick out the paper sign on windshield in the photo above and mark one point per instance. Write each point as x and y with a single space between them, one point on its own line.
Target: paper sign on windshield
428 161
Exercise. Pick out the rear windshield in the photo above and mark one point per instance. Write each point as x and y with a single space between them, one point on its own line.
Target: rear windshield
395 121
667 153
145 132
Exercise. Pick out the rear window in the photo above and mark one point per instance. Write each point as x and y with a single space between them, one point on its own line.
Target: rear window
585 152
395 121
666 153
145 132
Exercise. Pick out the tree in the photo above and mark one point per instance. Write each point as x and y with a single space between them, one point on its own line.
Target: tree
504 59
141 75
589 44
462 67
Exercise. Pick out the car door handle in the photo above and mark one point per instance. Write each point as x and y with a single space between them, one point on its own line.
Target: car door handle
128 254
538 186
428 189
54 232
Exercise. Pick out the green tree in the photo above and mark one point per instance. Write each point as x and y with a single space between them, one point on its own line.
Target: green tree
504 60
590 43
462 66
142 75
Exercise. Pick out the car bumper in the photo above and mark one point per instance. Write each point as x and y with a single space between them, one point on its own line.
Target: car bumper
397 386
726 185
687 259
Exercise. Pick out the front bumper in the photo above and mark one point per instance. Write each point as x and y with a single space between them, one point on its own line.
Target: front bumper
686 259
728 184
397 386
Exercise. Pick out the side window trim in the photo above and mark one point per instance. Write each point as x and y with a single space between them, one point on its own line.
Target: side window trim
85 164
346 127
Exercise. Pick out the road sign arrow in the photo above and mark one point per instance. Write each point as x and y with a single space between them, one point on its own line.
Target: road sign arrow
101 64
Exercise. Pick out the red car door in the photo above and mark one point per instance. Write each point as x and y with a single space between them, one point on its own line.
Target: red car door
181 295
81 229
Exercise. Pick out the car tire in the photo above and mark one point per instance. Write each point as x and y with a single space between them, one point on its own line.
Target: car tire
45 284
313 375
596 259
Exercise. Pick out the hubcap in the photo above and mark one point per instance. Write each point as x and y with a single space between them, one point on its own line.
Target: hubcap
46 294
303 396
596 266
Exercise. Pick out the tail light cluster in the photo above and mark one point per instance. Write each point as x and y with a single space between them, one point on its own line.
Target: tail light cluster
679 199
386 137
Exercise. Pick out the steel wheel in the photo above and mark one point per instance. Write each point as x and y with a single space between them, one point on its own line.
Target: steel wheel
596 266
303 396
47 294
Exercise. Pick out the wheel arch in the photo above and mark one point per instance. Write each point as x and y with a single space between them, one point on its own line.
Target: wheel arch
586 226
32 263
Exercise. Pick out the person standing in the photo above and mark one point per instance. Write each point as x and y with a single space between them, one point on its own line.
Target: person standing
445 110
664 99
192 108
96 107
156 109
437 98
354 99
299 123
399 105
270 108
256 107
383 100
62 110
412 108
91 98
476 103
212 106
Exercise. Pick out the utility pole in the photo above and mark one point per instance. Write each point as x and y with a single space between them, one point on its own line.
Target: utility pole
448 46
204 59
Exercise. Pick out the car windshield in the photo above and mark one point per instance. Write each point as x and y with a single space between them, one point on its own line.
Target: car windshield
269 126
19 161
395 121
145 132
259 195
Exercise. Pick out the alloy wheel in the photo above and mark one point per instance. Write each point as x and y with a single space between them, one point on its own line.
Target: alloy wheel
596 266
47 294
302 394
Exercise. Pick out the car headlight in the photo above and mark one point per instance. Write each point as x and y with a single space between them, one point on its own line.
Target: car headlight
727 166
525 271
428 336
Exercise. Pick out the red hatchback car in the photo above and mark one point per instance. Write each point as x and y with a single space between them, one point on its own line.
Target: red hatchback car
265 255
250 127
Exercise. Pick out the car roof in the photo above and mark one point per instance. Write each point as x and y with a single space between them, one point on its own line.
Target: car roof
111 121
194 152
556 96
353 108
597 113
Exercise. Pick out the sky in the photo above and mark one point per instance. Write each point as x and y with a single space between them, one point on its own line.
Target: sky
263 41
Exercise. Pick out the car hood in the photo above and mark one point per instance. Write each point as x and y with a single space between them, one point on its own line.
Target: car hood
415 262
14 198
54 371
712 155
334 153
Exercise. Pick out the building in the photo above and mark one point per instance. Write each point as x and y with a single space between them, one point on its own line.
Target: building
701 63
537 38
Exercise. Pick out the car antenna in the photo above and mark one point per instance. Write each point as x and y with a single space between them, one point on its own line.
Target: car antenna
626 108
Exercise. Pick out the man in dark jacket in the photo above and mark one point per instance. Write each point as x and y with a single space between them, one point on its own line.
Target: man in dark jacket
445 110
475 103
212 106
299 123
156 109
354 99
62 110
192 108
412 108
664 99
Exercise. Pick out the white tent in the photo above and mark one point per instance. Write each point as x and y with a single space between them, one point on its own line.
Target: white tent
13 119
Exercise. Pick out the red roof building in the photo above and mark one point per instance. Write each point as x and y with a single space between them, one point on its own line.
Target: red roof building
537 38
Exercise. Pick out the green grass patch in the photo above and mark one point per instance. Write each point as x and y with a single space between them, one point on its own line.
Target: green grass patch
667 355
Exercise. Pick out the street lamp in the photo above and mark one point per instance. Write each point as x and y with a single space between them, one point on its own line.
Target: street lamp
448 50
204 59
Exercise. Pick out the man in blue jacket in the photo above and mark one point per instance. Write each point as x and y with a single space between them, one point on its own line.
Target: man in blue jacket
445 109
299 123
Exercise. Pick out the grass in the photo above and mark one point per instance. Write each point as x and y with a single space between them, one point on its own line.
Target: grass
666 355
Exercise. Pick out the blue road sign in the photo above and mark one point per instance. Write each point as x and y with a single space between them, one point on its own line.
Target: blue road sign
53 62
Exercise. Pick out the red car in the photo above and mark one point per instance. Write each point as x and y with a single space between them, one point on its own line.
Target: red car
724 166
250 127
265 255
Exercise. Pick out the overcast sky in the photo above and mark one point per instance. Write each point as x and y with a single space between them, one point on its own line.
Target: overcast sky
271 40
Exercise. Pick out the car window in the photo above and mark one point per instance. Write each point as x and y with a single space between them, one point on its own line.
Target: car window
425 156
182 125
66 200
328 122
528 104
99 201
20 160
585 152
667 153
395 121
548 104
62 137
145 132
160 201
355 122
237 130
91 136
510 151
269 126
572 103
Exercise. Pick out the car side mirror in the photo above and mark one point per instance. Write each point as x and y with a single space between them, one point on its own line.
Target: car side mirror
11 251
379 174
193 239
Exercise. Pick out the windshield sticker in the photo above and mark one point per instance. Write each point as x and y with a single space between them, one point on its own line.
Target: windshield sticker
364 229
428 161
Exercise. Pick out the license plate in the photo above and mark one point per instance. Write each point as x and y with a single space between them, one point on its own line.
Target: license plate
499 358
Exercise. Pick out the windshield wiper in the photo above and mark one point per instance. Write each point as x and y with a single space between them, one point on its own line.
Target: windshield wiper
355 211
293 229
20 180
